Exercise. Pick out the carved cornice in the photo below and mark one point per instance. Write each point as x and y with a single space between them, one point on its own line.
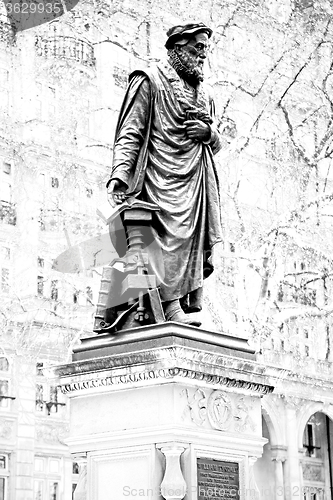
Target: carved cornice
161 352
165 373
164 357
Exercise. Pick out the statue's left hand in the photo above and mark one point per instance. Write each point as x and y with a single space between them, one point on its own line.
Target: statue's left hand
197 130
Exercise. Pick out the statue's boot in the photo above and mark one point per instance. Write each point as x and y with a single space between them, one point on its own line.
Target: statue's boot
173 312
191 303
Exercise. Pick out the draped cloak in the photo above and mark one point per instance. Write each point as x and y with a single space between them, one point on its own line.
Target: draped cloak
160 164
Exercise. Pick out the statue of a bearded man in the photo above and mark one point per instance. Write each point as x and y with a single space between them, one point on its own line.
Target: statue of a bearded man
163 154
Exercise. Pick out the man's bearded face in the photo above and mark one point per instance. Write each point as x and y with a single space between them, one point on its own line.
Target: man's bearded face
192 55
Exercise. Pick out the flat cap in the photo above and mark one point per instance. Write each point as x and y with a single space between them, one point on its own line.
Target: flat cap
178 32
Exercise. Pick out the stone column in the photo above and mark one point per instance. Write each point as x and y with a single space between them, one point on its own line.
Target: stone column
81 488
254 490
293 484
278 458
173 486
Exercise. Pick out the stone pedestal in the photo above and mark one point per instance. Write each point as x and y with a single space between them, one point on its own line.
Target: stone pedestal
165 412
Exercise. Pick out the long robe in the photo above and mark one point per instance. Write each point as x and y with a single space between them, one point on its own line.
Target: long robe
160 164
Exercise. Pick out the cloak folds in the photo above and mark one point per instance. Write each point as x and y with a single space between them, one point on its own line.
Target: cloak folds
160 164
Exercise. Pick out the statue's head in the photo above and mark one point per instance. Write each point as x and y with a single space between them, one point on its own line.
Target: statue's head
187 48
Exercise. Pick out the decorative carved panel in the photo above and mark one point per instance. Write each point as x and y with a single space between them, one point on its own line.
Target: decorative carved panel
312 472
6 428
51 433
220 410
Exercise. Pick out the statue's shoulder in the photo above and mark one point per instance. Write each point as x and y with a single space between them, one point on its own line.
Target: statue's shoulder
151 73
159 75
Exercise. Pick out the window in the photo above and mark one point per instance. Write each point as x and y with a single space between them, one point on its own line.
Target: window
75 477
53 404
54 182
41 220
4 364
303 4
77 197
45 101
40 285
6 191
5 280
39 397
4 77
4 94
51 94
41 180
39 369
40 262
4 474
5 182
4 384
4 100
5 253
39 464
46 478
54 489
313 493
54 466
38 100
7 168
54 290
120 76
53 394
39 489
47 401
89 192
41 187
309 441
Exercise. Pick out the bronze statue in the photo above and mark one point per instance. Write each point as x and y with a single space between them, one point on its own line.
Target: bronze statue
163 155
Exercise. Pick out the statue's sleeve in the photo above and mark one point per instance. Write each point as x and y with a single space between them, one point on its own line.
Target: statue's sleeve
215 142
131 129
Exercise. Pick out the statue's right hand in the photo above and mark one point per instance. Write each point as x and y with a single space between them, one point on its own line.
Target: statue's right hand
116 192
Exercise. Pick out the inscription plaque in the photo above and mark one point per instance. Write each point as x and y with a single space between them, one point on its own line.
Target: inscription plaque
217 479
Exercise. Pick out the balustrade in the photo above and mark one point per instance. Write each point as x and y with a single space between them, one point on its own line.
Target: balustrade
66 48
55 221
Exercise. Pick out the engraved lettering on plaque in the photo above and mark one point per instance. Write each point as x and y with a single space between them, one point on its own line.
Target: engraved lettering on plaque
217 480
